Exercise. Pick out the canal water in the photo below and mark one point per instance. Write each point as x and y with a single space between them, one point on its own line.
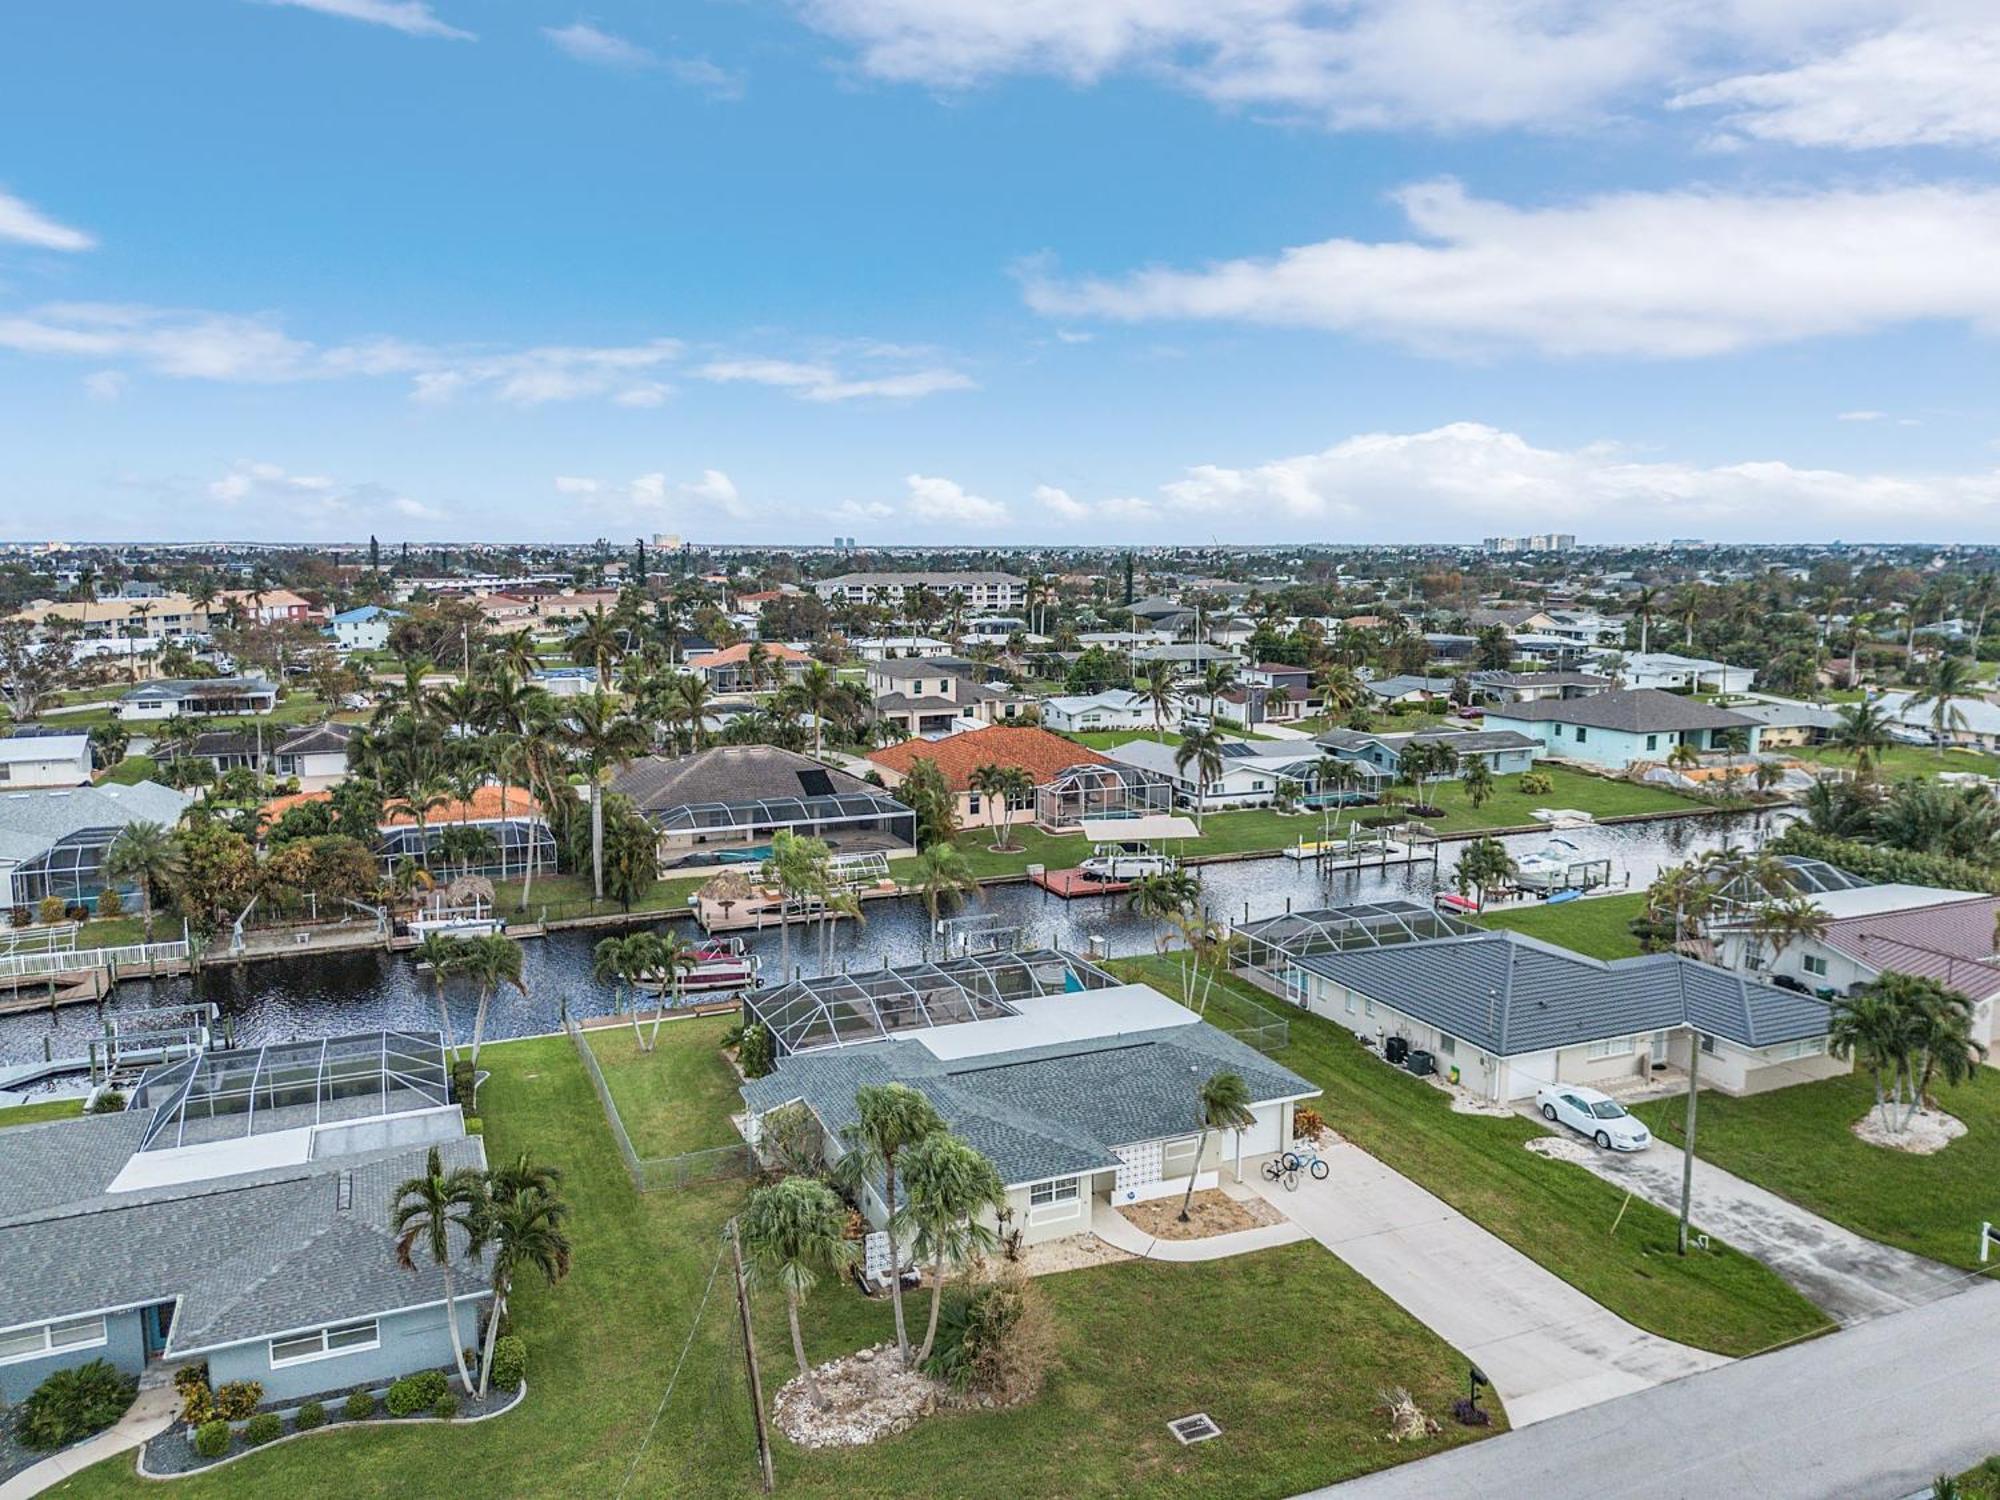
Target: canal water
329 994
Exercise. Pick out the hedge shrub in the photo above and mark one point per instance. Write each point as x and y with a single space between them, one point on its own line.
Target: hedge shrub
72 1404
238 1400
309 1416
261 1428
416 1393
445 1407
211 1439
360 1406
1889 865
510 1362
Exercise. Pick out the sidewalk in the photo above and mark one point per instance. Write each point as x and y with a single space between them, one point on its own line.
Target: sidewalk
1121 1233
152 1414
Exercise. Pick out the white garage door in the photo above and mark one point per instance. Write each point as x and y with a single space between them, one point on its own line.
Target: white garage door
1264 1136
1529 1072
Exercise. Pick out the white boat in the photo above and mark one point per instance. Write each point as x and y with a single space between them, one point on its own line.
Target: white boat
721 966
1125 862
1547 869
456 922
1562 817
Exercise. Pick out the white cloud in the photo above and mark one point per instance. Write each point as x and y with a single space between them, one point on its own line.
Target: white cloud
1668 274
21 223
819 382
1861 416
586 43
1918 85
415 509
106 385
1463 479
706 77
1060 503
946 503
714 492
411 17
576 484
310 503
646 394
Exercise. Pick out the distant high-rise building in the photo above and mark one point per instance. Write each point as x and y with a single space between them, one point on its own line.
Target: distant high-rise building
1545 541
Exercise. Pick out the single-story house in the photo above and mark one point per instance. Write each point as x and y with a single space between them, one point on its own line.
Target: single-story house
1191 656
203 697
566 682
1505 751
939 695
1788 723
1618 729
1082 1098
729 670
734 797
1693 674
1404 688
518 833
42 760
1507 1013
1252 771
888 647
52 841
1532 687
1114 708
316 754
1043 755
194 1226
1872 930
364 628
1977 722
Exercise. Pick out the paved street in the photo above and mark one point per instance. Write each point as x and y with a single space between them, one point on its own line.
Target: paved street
1873 1412
1547 1347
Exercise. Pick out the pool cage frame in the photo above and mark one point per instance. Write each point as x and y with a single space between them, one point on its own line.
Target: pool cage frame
238 1093
843 1010
1093 789
693 824
1267 949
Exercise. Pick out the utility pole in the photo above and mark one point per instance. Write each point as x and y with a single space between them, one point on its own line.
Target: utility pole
1687 1158
770 1478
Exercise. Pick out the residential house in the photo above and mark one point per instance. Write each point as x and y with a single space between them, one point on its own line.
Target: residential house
566 682
1079 1090
1692 674
52 842
200 697
1577 626
265 606
1190 656
729 670
732 798
44 760
1253 771
364 628
1533 687
517 833
1970 722
1044 756
165 617
1505 752
939 696
239 1213
889 647
1403 688
1115 708
1788 723
1616 730
316 754
1503 1014
1267 693
981 591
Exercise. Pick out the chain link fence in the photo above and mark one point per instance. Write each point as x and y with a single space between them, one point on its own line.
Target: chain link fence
651 1173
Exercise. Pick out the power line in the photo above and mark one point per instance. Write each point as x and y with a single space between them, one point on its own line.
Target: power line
693 1328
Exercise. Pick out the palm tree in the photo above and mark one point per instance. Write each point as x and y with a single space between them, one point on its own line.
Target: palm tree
514 654
1217 680
1341 691
491 961
1163 896
1863 732
596 643
1222 1102
1201 748
1949 679
445 955
1788 920
1478 781
430 1211
798 865
950 1184
942 874
1483 865
603 739
691 699
1003 786
793 1232
1161 692
148 855
816 690
890 1118
525 1227
1645 604
1869 1027
622 961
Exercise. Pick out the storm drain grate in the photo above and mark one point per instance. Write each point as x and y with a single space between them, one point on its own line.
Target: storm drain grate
1198 1428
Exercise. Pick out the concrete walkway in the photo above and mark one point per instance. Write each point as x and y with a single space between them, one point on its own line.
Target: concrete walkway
1853 1278
153 1413
1873 1412
1547 1348
1120 1232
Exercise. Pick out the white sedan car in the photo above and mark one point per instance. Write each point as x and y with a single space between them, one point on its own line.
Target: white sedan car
1595 1114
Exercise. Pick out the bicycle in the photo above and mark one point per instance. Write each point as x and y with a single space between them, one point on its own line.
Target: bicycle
1286 1166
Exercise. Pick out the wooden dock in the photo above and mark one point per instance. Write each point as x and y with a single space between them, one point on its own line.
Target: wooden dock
1071 884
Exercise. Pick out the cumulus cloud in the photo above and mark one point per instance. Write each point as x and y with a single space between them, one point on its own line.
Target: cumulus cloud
713 492
820 382
1861 416
1665 274
948 504
591 44
1918 85
21 223
311 502
411 17
1060 504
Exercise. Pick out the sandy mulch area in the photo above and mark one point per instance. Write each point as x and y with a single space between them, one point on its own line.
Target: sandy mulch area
868 1396
1562 1148
1928 1133
1211 1212
1465 1102
1074 1252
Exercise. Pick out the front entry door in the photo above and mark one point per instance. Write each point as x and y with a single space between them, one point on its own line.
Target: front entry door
157 1322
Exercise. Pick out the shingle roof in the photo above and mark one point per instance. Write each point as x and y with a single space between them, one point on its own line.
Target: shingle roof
1635 711
1495 677
1036 751
729 773
1510 994
30 821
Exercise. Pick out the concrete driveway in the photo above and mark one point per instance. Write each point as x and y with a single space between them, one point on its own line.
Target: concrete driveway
1853 1278
1547 1348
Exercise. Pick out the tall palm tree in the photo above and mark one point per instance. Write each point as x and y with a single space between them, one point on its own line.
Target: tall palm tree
949 1184
691 698
444 1214
1870 1028
942 874
673 960
514 654
1222 1102
816 690
603 739
622 962
798 866
1003 786
1161 692
1862 732
1202 749
1949 679
889 1119
1161 897
1645 604
1483 865
445 955
793 1232
491 961
524 1224
597 643
1217 680
147 854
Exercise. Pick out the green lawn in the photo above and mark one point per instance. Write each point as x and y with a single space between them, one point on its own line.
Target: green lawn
1578 1225
34 1114
132 770
1286 1349
569 896
678 1097
1510 807
1598 925
1905 762
1796 1142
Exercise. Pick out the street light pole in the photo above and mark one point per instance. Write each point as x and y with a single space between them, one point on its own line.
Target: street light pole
1687 1158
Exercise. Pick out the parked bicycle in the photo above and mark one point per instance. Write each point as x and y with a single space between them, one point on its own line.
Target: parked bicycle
1286 1166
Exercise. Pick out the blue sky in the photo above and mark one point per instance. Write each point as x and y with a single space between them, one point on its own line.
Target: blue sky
1000 270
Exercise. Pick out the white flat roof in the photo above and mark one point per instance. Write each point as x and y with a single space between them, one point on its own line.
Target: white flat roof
26 747
1073 1016
1873 900
1142 830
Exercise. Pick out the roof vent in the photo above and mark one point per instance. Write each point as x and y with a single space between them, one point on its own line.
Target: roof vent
1198 1428
343 1192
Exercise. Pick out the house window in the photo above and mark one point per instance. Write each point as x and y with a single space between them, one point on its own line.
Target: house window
1582 734
972 803
1616 1047
1652 742
1448 1045
1707 1044
1812 963
1044 1193
33 1343
323 1343
1347 997
1812 1046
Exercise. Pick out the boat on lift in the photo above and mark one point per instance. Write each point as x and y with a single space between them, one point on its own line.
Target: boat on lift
1125 861
1548 868
721 966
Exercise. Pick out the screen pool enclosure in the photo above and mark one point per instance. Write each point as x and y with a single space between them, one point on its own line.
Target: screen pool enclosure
839 1010
1271 945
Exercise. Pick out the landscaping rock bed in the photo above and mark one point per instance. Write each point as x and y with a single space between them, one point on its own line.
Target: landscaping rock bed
868 1394
1211 1212
1562 1148
1928 1132
14 1454
1465 1102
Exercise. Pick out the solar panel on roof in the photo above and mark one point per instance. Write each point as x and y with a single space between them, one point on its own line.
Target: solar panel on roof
816 783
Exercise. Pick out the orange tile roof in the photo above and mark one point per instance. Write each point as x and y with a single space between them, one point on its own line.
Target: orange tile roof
1038 752
485 807
740 652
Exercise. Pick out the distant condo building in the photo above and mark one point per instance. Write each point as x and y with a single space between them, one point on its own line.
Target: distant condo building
982 591
1547 541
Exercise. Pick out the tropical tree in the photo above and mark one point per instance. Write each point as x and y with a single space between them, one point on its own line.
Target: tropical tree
1425 761
1202 749
949 1185
889 1119
1483 865
942 874
1217 680
444 955
927 794
622 962
674 959
1478 781
794 1232
1222 1102
816 691
1869 1027
603 739
148 855
798 865
490 962
1163 896
1161 692
524 1225
1787 920
1862 732
443 1214
1949 679
597 643
1003 786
